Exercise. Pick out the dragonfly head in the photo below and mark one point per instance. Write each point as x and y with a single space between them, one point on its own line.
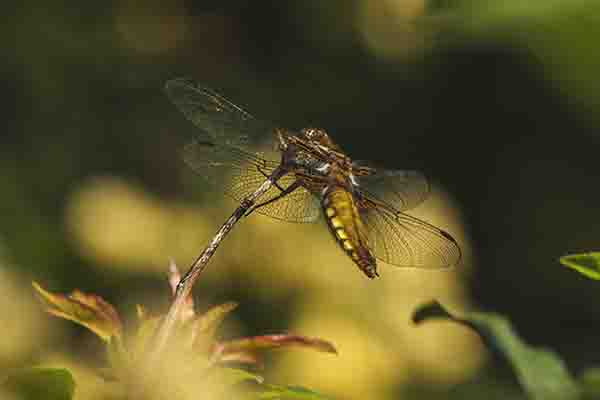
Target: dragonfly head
315 134
318 136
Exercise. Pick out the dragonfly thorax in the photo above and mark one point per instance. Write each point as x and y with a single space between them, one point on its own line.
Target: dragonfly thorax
305 150
308 162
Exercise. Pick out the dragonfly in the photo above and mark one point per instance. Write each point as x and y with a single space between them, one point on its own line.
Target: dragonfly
305 176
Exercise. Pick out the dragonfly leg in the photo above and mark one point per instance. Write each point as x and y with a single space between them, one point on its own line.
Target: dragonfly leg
268 176
283 193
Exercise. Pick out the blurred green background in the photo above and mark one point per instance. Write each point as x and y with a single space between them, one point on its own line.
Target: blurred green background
497 102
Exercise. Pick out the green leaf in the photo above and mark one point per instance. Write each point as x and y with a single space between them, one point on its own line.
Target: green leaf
587 264
84 309
234 376
204 326
590 383
211 319
276 392
561 34
541 373
40 383
143 336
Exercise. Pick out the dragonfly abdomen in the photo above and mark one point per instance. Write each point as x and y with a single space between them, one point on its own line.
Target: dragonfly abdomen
347 228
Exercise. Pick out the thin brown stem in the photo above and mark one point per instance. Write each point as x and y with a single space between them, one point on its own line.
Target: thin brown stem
184 288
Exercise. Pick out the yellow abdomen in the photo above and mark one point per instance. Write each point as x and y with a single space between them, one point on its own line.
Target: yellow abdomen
347 228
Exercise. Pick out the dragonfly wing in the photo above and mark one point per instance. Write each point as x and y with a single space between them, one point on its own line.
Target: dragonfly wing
402 240
243 172
403 189
223 121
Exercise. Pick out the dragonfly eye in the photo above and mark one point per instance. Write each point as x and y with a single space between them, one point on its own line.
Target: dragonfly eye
307 133
310 133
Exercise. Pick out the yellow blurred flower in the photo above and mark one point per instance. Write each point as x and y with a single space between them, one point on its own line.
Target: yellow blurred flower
118 224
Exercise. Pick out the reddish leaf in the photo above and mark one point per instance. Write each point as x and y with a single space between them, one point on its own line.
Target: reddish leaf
254 343
240 358
174 276
85 309
187 312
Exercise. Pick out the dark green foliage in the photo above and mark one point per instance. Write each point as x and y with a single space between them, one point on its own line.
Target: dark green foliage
541 373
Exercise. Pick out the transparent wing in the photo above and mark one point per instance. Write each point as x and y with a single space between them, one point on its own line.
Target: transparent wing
405 241
243 172
223 121
402 190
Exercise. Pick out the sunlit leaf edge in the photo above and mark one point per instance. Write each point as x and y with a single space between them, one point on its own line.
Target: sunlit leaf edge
587 264
285 392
